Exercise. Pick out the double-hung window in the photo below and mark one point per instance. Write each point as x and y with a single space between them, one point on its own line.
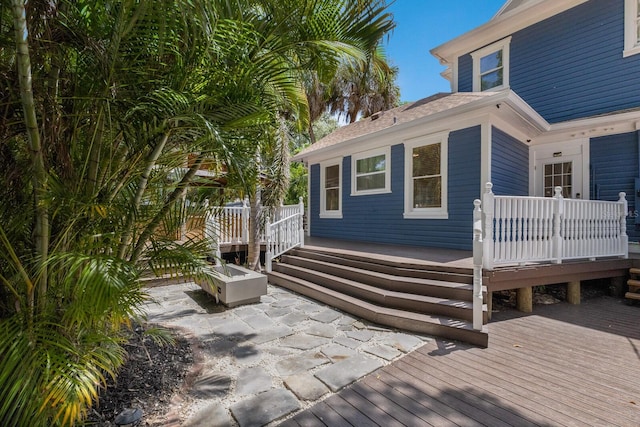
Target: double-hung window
491 67
425 193
631 27
371 173
330 189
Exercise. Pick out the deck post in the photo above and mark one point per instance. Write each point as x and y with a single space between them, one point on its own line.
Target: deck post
487 238
211 232
524 299
558 212
477 265
573 292
301 204
624 238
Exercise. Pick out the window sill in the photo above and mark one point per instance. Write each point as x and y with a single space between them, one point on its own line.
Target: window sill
369 193
331 215
426 215
630 52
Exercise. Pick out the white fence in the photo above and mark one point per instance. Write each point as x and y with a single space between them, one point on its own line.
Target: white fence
518 230
229 225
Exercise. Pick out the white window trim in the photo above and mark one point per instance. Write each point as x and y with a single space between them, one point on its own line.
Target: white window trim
387 172
479 54
426 213
324 213
631 42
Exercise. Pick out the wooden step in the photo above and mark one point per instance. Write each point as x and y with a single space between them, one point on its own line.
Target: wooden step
634 271
419 286
386 260
410 321
632 295
383 297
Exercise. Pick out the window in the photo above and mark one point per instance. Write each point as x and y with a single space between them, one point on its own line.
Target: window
371 174
558 175
426 177
330 189
491 67
631 27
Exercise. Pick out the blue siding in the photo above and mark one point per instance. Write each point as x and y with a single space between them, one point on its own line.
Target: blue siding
509 165
614 166
465 74
378 218
571 66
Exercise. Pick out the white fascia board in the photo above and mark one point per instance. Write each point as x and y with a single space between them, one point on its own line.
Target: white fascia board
526 122
591 127
500 27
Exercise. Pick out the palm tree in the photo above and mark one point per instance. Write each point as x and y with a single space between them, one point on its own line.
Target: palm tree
95 176
362 88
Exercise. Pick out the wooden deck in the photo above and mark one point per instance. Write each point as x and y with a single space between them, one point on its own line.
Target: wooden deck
563 365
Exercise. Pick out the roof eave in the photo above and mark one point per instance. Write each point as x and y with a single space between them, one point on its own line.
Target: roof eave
536 122
501 26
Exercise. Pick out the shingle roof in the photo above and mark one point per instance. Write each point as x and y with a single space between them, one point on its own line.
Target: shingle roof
406 113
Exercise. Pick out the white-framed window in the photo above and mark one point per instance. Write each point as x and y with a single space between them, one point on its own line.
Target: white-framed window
371 172
425 189
331 189
491 66
631 27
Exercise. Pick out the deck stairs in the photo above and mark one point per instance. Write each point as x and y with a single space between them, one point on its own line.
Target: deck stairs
428 299
634 285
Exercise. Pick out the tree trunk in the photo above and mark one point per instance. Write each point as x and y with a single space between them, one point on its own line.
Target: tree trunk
253 249
39 178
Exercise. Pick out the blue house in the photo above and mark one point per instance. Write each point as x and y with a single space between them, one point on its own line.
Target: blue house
532 162
546 94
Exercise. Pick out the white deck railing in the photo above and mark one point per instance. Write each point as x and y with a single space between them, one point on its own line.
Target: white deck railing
519 230
229 225
284 235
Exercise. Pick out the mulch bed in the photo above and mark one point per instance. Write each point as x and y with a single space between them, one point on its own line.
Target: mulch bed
149 379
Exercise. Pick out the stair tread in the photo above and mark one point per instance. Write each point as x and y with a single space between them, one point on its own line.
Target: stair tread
634 270
633 283
632 295
386 292
436 320
413 280
388 260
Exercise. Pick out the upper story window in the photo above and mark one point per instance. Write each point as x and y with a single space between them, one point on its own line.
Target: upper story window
631 27
331 189
371 172
425 191
491 66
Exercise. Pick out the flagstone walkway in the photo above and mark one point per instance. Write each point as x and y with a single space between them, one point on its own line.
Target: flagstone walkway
266 361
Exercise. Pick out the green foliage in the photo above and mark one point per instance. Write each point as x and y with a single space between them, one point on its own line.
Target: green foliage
129 100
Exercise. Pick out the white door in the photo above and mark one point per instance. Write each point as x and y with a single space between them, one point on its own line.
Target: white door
560 171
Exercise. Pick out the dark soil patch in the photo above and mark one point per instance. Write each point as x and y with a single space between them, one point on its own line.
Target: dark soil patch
148 380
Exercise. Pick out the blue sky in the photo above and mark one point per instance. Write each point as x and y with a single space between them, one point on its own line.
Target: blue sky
422 25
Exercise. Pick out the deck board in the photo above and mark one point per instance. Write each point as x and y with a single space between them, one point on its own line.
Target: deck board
562 365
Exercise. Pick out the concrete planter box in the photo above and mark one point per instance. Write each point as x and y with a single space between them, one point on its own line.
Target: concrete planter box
236 285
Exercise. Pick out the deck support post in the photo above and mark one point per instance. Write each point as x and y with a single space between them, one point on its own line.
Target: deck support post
573 292
617 286
489 304
524 299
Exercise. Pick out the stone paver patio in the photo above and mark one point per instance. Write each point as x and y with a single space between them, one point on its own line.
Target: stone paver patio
266 361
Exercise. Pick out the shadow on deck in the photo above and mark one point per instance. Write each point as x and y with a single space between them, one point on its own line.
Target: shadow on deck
561 365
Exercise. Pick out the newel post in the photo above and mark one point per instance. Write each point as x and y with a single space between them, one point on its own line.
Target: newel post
624 238
301 230
488 206
558 213
477 265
